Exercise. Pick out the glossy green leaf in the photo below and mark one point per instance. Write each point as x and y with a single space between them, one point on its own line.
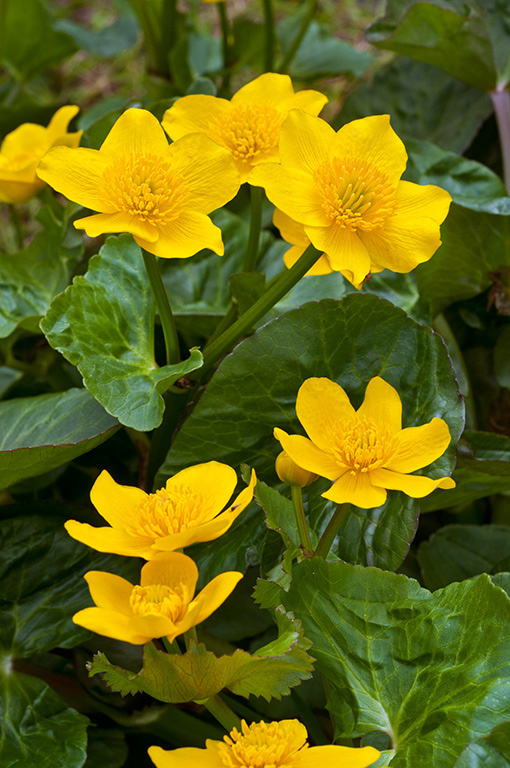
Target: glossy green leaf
104 324
198 674
8 377
492 751
458 552
37 727
428 669
449 114
42 570
470 40
108 41
41 433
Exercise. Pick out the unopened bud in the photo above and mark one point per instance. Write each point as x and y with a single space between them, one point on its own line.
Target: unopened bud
289 472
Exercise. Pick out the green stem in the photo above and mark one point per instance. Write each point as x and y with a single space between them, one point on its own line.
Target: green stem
305 23
304 532
225 322
269 28
252 248
189 636
287 280
150 33
170 647
501 104
162 435
163 305
328 537
223 714
225 40
441 325
17 227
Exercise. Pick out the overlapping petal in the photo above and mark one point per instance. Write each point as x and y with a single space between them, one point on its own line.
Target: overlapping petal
214 481
210 598
344 248
118 504
186 757
415 486
170 569
103 223
292 191
382 404
194 113
373 140
110 540
109 591
78 175
356 488
185 236
322 406
333 756
305 141
416 447
136 132
307 455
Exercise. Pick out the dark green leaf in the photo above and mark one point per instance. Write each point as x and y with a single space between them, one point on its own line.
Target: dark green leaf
202 85
502 358
107 748
492 751
428 669
109 41
246 288
8 377
41 433
103 324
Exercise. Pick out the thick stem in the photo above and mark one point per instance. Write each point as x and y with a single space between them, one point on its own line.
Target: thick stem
225 40
225 322
287 280
501 104
223 714
331 531
269 28
305 23
163 305
304 532
252 248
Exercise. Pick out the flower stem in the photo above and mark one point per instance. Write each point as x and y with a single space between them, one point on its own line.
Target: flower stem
16 226
328 537
269 27
164 309
225 39
252 248
441 325
223 714
305 23
501 104
287 280
304 533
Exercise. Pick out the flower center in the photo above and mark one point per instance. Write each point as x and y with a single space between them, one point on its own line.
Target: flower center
250 132
363 445
146 187
159 599
263 745
170 511
353 194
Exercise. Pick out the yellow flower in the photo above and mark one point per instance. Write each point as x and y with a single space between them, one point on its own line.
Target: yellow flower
161 606
161 194
280 744
289 472
185 511
22 149
248 125
364 451
345 189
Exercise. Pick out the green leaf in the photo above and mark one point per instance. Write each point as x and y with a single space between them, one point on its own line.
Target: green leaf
42 572
492 751
8 377
449 114
198 674
103 323
349 341
246 288
41 433
109 41
501 358
37 727
106 748
427 669
483 469
469 40
458 552
280 517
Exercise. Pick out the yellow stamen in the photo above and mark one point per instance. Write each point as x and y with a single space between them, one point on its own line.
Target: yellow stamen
159 599
263 745
363 445
249 132
169 511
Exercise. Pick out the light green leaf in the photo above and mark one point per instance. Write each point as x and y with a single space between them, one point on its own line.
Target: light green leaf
430 670
458 552
42 432
109 41
37 727
104 324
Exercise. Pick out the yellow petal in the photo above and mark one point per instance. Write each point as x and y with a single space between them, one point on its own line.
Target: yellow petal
17 192
110 591
194 113
382 404
23 139
136 132
307 455
292 191
210 598
185 236
60 121
356 488
418 201
170 568
332 756
322 406
419 446
290 230
208 169
104 223
345 250
310 102
78 175
214 481
118 504
305 141
186 757
153 625
110 540
110 624
270 88
373 140
321 266
415 486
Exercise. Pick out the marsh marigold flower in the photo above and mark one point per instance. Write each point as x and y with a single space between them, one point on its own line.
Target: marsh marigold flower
22 150
162 605
160 193
345 189
280 744
364 452
187 510
248 125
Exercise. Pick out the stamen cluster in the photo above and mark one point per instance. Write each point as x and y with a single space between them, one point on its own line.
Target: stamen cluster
263 745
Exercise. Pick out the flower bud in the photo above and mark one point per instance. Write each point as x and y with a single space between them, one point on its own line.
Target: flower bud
289 472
